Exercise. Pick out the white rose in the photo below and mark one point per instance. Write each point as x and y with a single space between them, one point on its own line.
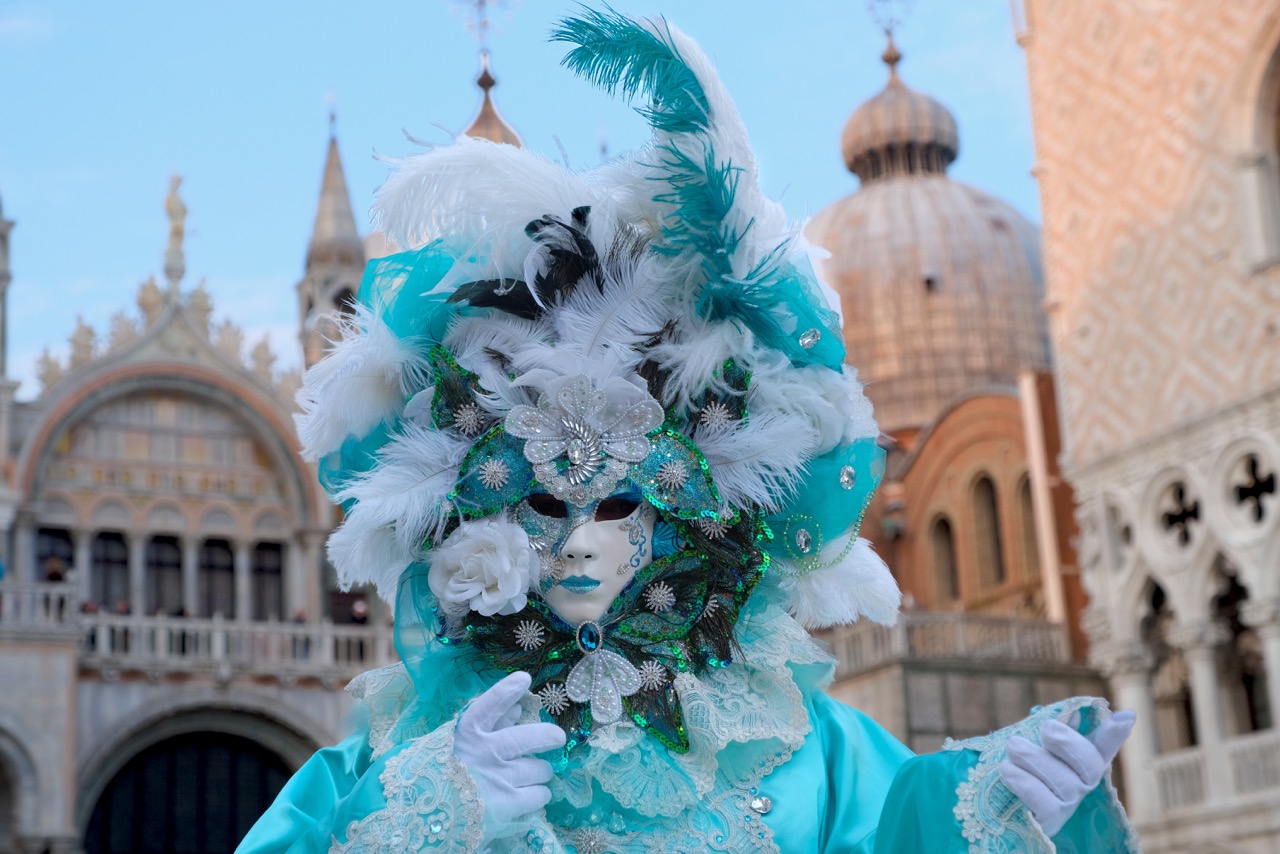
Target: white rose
486 566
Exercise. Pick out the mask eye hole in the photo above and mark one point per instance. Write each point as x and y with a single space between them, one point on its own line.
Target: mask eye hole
615 508
548 505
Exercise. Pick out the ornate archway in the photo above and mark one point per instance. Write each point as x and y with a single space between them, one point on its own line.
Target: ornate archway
198 792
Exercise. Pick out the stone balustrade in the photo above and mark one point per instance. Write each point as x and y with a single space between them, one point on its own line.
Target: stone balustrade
1180 779
926 635
114 643
30 607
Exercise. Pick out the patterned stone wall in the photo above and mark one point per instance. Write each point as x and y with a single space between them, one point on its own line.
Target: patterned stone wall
1154 152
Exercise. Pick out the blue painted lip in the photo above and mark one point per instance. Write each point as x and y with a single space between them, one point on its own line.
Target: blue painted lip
579 584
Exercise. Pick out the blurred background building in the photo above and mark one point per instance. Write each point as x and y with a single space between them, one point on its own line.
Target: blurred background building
1156 140
1079 497
172 642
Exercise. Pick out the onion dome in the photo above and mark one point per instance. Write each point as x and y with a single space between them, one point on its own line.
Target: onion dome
488 124
899 132
940 284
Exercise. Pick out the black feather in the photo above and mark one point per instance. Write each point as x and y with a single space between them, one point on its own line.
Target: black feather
510 295
567 256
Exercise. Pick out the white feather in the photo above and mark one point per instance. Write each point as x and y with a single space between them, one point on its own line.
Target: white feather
474 188
361 383
695 354
859 586
632 306
401 503
761 460
832 402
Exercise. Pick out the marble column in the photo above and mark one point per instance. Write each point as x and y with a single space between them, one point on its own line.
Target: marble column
1199 643
24 547
1264 618
83 563
312 573
243 579
191 574
137 572
1128 668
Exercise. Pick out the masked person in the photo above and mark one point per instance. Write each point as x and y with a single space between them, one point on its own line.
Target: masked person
593 430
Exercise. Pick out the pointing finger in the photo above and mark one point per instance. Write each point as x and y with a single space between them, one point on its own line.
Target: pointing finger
1112 733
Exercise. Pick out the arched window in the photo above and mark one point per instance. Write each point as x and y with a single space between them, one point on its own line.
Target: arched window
986 532
946 576
217 579
1027 515
1242 667
54 553
268 581
110 572
164 575
345 301
1170 680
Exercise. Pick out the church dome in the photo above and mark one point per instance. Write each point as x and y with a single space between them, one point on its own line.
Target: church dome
488 124
900 131
940 283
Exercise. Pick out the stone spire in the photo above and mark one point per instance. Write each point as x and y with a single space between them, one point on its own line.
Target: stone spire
335 261
334 240
488 124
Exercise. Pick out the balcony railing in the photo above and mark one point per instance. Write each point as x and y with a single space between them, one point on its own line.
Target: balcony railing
928 635
30 607
1180 778
116 643
1252 766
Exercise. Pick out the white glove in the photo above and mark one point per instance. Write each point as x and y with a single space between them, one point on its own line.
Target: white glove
495 750
1053 777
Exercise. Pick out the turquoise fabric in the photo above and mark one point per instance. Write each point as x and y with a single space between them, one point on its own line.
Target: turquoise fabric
852 787
303 812
828 798
923 795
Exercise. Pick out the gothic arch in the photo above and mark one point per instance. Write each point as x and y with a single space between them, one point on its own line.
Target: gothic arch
17 765
1251 132
263 419
285 730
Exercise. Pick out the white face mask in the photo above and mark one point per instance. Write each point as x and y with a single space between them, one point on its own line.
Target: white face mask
598 559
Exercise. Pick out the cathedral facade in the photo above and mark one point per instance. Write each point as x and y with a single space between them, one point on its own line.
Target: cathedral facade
168 625
1159 165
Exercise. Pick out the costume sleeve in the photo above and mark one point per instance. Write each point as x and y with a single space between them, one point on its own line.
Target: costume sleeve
954 802
415 797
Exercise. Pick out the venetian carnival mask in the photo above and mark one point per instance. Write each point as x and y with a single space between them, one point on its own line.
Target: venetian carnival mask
592 552
595 411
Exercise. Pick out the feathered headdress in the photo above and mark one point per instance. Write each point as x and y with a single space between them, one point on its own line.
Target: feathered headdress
653 322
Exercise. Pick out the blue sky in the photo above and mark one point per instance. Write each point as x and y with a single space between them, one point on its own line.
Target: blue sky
102 102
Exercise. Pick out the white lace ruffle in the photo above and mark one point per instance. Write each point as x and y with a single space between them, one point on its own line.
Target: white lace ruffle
743 721
993 819
432 804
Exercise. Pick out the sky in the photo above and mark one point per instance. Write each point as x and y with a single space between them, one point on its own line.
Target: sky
100 103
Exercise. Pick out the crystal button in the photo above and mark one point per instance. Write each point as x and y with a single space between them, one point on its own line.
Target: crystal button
809 338
804 541
848 477
761 804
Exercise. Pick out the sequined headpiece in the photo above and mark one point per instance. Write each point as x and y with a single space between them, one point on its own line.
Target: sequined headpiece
653 325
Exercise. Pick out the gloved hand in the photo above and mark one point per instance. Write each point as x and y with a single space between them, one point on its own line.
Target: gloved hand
496 751
1053 777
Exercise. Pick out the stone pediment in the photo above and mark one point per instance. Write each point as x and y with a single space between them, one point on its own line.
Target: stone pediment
169 326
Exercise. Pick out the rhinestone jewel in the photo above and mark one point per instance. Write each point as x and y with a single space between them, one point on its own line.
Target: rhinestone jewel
804 541
848 477
810 338
761 804
589 637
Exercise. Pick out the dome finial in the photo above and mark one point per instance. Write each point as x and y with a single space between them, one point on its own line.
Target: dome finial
891 56
486 79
